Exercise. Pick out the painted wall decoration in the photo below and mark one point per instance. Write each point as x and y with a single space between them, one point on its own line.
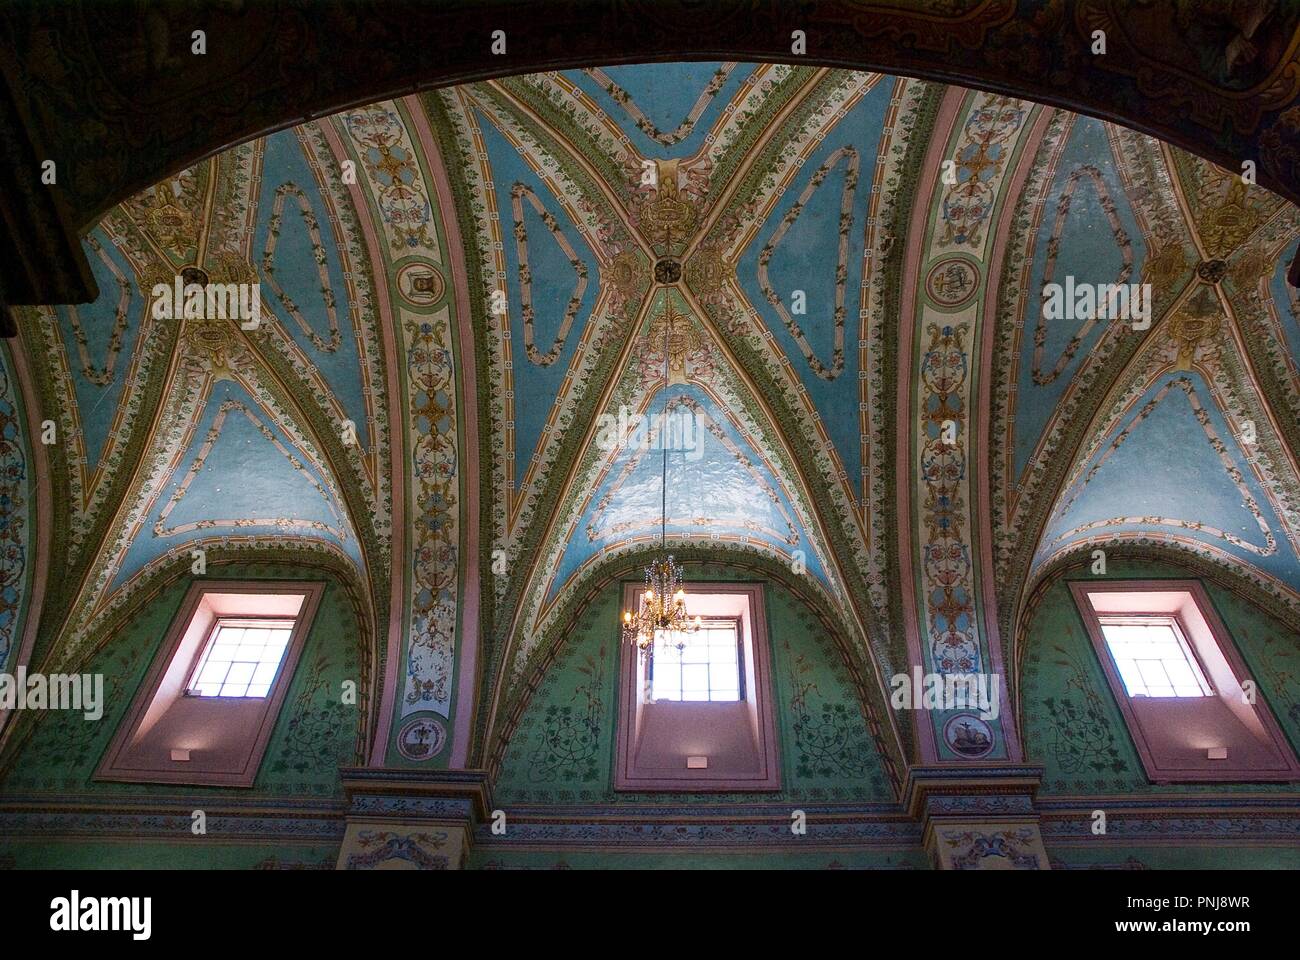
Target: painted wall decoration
421 738
954 645
389 159
1015 849
847 858
720 487
436 487
1192 398
101 356
694 182
1175 459
1071 225
984 141
315 734
410 237
160 855
666 111
238 472
843 273
272 435
834 180
569 240
101 341
731 486
1072 724
1086 230
1183 857
310 278
561 751
372 849
15 512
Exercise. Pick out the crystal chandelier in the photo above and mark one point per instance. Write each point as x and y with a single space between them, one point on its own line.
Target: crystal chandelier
662 613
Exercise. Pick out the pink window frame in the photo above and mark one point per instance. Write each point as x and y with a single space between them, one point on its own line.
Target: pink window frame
627 777
1221 638
267 709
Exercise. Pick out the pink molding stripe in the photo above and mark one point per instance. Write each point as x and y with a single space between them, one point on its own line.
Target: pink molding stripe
399 580
44 499
468 639
983 440
944 125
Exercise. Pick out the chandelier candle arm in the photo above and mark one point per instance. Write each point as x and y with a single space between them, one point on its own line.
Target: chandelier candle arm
663 607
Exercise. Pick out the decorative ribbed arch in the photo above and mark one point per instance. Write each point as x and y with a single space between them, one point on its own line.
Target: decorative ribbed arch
499 717
303 560
1269 596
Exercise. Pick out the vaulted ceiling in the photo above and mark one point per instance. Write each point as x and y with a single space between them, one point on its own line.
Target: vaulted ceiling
835 276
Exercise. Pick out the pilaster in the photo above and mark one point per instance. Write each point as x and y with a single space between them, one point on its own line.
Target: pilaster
411 819
978 816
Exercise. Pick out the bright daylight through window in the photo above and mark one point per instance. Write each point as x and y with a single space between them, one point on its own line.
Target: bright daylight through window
1153 657
241 658
704 667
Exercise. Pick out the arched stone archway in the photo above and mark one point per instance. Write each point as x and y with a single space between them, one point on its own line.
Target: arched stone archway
1218 82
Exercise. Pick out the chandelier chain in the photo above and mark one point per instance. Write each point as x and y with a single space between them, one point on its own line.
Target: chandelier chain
662 609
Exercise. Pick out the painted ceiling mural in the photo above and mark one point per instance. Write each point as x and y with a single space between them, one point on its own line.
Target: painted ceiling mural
488 312
194 440
16 511
1180 435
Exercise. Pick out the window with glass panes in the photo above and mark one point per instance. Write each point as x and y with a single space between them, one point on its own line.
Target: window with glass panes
1153 657
706 667
241 658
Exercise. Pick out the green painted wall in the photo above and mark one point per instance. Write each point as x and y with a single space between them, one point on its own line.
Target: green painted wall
1072 724
137 854
1181 857
563 749
496 859
314 735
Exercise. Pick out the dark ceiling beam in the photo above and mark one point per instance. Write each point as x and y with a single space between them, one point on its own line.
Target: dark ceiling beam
114 94
41 260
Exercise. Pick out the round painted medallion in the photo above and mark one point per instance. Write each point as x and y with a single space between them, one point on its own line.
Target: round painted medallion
194 275
421 738
968 735
952 282
420 284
